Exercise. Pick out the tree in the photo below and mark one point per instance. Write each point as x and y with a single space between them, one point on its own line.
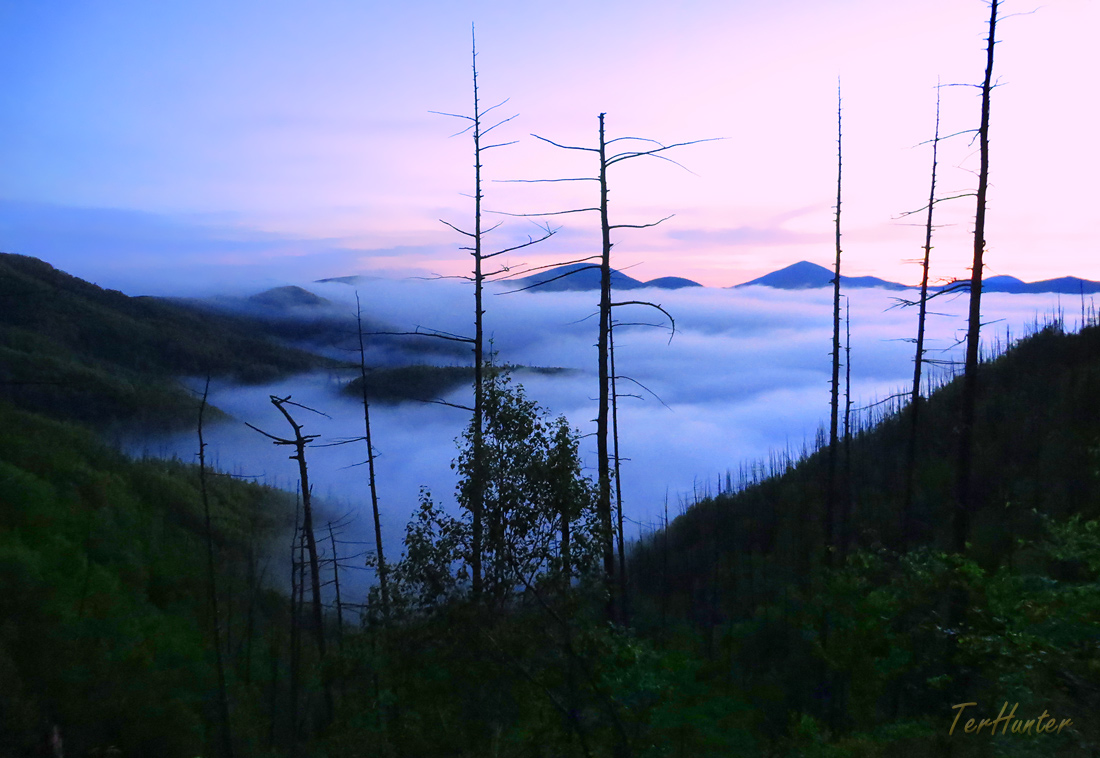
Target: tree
212 587
478 279
834 407
382 578
964 486
918 359
603 346
540 521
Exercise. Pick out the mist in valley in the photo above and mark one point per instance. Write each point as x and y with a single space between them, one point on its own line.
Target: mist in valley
745 375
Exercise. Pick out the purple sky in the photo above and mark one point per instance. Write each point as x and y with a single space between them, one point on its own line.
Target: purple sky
246 141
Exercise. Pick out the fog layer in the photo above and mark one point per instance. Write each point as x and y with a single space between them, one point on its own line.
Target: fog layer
745 374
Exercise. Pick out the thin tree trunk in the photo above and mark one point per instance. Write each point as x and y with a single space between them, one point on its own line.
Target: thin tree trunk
846 519
918 360
834 408
336 584
299 443
477 498
212 589
297 580
618 476
603 502
964 487
382 578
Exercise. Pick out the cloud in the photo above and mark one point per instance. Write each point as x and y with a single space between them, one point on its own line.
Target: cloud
747 374
149 253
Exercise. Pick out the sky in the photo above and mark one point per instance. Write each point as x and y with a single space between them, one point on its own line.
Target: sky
160 147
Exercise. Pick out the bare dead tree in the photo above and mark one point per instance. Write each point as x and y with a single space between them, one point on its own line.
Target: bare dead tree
918 359
964 486
212 587
336 584
299 444
846 519
382 577
606 161
834 408
297 581
618 475
479 276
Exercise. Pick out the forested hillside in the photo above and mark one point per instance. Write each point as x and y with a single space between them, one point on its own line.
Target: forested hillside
104 615
73 350
740 633
867 646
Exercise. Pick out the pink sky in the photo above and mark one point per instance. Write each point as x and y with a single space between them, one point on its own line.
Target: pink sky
296 123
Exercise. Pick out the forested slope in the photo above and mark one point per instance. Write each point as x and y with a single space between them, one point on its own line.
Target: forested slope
104 619
74 350
864 650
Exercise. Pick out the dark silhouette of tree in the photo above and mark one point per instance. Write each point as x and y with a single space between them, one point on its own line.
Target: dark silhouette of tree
964 486
299 444
382 578
478 278
603 417
618 476
907 524
831 495
212 587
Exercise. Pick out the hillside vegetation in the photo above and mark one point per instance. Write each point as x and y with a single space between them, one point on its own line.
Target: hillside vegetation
867 652
104 619
74 350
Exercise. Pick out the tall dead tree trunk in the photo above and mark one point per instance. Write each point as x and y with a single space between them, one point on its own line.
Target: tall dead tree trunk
382 577
960 526
297 580
212 588
603 414
603 503
336 585
834 408
907 525
846 538
477 498
479 277
299 444
618 477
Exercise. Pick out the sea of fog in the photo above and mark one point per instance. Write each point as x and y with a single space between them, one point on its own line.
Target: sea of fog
746 374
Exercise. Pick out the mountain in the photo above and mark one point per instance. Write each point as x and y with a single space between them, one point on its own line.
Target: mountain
288 297
74 350
672 283
1065 285
586 276
806 275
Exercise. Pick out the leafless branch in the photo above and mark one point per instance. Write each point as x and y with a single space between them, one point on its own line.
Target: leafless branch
418 333
566 147
641 226
647 389
551 213
651 305
552 279
548 181
530 241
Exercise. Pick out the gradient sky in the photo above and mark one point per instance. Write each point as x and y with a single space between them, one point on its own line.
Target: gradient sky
176 142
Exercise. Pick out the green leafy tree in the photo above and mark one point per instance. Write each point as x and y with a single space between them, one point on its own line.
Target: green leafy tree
541 528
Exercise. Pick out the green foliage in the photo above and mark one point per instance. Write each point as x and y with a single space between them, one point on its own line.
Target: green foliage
533 493
74 351
103 618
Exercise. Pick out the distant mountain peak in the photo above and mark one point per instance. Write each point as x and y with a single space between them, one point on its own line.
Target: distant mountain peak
807 275
586 276
288 297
